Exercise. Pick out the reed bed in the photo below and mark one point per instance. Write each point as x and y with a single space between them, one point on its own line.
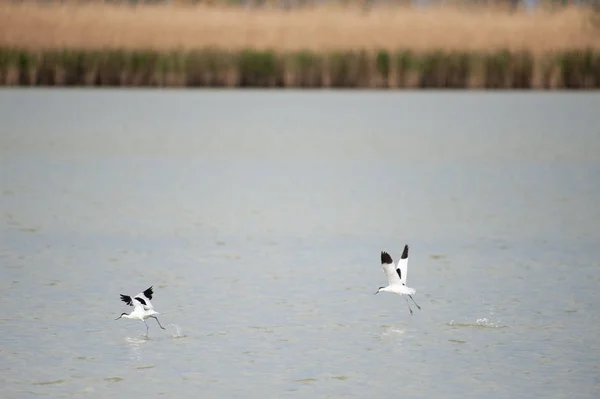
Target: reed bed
502 69
97 44
324 28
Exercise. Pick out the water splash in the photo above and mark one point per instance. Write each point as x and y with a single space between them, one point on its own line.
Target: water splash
393 333
483 322
177 333
393 330
136 341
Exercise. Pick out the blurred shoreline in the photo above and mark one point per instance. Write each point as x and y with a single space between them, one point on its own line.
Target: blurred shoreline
99 44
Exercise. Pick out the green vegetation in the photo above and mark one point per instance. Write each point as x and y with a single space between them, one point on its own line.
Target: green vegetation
304 69
258 69
580 69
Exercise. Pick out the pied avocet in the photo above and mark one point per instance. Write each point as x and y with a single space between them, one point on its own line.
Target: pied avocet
142 307
396 275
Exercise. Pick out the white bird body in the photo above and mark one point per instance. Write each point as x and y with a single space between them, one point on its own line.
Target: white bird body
139 313
142 307
396 276
400 290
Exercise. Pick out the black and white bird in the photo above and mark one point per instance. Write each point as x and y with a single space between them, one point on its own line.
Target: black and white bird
142 307
396 275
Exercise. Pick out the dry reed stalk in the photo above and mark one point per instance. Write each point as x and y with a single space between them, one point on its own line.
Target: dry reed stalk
325 28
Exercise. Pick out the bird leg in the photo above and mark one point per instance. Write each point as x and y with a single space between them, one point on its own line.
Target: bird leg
409 309
156 318
414 301
147 328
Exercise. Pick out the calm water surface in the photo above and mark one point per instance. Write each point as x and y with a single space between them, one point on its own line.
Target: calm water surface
258 217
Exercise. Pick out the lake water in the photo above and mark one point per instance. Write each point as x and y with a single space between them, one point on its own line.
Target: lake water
259 218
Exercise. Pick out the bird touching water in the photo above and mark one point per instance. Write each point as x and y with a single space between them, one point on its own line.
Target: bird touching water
396 275
142 308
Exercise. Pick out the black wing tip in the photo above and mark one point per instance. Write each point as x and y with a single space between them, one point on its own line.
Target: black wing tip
148 293
126 299
386 258
405 252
